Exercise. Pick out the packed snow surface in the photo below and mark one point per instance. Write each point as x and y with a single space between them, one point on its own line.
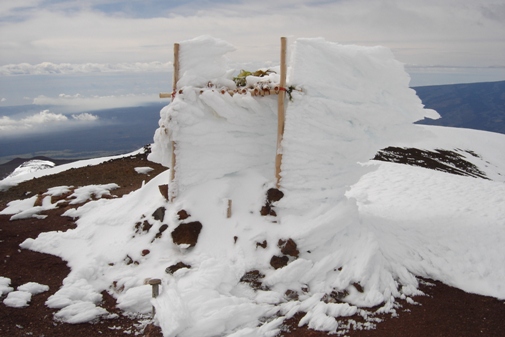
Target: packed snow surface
32 166
364 232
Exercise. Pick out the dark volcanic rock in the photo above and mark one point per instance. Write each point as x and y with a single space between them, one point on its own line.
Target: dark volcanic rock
183 214
279 261
187 233
288 248
274 195
262 244
175 267
254 279
159 214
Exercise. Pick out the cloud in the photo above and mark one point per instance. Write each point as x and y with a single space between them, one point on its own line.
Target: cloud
79 102
85 116
42 122
47 68
453 32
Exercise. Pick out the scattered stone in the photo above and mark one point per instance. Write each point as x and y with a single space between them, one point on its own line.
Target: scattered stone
274 195
335 296
159 214
288 247
291 295
160 231
279 261
142 227
235 238
128 260
175 267
145 252
254 279
265 210
262 244
164 190
183 214
358 287
187 233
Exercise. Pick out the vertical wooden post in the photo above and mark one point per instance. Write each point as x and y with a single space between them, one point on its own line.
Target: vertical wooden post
155 284
281 112
228 209
172 142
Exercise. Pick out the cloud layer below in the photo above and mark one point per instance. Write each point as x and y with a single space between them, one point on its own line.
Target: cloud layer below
42 122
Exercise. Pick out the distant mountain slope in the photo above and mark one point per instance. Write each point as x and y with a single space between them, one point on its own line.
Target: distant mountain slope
7 168
478 106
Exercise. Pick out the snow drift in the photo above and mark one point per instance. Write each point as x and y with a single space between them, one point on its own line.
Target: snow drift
347 252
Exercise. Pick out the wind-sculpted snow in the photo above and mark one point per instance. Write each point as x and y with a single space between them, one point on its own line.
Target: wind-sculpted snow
363 233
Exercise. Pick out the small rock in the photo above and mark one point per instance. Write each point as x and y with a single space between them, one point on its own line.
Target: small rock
262 244
253 278
279 261
160 231
274 195
291 295
288 248
159 214
145 252
187 233
175 267
183 214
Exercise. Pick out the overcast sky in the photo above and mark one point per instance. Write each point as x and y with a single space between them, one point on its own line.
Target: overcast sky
54 50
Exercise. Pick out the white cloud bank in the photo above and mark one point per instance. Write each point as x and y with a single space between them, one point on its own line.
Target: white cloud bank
47 68
80 102
44 121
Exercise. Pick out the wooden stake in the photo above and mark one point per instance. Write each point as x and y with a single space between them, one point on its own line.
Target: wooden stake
281 112
228 210
172 142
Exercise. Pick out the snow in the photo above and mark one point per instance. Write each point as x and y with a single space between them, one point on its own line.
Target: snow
365 230
143 170
23 209
4 285
31 166
18 299
33 288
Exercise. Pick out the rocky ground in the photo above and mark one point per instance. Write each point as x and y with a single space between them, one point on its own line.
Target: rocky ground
444 311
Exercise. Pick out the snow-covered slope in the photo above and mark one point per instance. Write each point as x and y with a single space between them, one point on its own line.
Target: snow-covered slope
358 239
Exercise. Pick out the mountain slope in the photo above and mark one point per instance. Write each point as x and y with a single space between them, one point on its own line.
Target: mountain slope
478 106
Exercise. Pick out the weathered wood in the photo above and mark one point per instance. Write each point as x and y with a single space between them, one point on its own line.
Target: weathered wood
165 94
281 112
173 191
176 67
228 210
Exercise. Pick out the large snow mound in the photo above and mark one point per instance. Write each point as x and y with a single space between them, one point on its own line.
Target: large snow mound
347 252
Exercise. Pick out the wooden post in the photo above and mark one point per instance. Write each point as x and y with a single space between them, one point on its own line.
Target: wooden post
155 284
228 209
281 112
172 142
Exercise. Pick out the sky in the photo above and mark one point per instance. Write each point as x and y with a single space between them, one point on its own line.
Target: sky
72 56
